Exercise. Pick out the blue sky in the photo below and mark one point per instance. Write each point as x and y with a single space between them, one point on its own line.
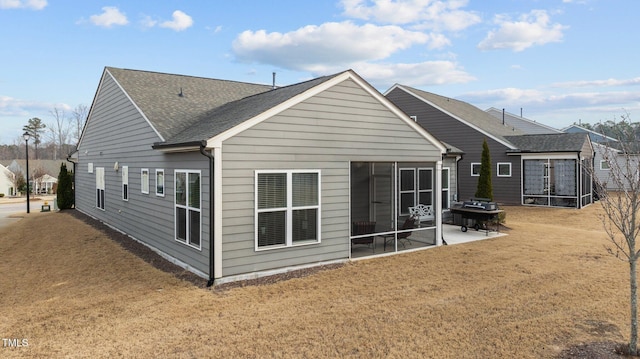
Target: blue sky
560 61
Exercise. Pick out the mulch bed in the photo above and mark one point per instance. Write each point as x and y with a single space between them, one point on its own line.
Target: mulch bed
595 350
158 262
140 250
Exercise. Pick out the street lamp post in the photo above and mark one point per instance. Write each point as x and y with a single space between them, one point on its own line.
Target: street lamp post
26 137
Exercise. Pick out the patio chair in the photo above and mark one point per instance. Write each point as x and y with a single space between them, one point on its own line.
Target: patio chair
364 227
409 223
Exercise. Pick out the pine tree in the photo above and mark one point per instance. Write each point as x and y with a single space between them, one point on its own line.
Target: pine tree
65 188
485 188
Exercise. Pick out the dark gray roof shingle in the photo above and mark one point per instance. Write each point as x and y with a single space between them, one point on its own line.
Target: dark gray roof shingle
468 113
559 142
225 117
158 96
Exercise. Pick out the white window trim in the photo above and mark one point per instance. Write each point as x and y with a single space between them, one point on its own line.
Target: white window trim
447 188
187 241
100 186
289 210
144 182
417 182
163 183
602 168
125 183
412 191
502 164
479 167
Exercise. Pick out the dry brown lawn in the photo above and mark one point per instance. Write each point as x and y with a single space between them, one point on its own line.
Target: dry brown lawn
70 291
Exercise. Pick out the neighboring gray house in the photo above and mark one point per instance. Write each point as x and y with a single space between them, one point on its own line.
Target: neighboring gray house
606 154
466 127
233 180
521 123
595 136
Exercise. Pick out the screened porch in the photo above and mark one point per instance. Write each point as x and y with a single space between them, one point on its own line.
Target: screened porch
556 182
394 207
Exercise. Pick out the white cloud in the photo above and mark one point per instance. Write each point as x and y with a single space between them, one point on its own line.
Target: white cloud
424 14
180 22
148 21
23 4
329 44
585 105
10 106
110 16
416 74
599 83
531 29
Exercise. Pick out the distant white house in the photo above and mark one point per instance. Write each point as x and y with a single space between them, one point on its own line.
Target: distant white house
43 174
6 182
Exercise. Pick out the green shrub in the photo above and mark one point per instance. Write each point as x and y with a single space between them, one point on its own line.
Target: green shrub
65 188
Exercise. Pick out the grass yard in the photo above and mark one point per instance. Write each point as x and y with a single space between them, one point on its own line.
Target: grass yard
70 291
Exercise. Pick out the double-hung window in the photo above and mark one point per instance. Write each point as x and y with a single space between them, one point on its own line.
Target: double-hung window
415 190
188 213
144 180
445 188
100 185
407 189
287 208
160 183
125 183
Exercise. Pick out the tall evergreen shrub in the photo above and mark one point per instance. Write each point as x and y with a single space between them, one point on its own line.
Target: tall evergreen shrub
485 188
65 188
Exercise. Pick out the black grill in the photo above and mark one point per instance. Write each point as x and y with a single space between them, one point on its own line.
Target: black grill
480 203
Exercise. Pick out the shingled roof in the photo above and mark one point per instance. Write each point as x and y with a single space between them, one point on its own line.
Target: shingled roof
172 102
222 118
466 112
187 109
558 142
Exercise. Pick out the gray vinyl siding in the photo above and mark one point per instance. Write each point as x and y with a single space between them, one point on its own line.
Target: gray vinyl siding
325 132
450 163
506 190
116 132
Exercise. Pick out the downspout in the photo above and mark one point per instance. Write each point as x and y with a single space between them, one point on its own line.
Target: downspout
203 144
74 182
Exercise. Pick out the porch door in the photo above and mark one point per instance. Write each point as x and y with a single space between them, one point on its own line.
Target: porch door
382 196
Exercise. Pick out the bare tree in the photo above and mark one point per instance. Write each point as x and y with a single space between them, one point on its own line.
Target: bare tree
619 194
59 131
80 114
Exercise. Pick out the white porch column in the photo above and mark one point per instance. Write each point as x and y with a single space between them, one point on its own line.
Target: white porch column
438 202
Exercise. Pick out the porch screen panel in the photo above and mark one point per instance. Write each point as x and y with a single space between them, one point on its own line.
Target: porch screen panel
534 180
565 177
